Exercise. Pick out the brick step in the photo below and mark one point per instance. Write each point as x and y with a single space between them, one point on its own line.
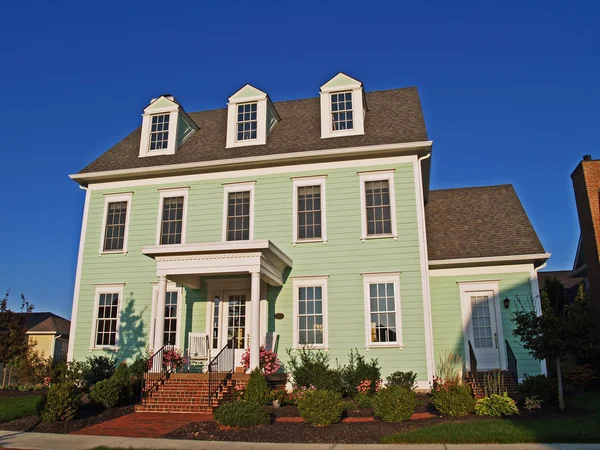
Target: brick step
170 409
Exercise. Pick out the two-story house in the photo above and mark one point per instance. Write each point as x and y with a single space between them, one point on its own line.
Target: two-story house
312 219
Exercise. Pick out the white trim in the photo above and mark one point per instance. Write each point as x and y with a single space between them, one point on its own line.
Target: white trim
311 281
170 193
283 158
383 277
172 137
466 287
228 188
489 259
484 270
315 180
422 232
171 287
114 198
537 301
378 175
109 288
75 306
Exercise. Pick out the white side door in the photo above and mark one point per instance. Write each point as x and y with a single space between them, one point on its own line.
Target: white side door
483 330
235 321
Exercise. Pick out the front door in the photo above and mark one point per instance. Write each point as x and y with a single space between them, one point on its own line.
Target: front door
483 330
234 323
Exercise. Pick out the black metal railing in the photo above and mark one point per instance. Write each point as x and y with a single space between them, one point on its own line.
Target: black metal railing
512 361
220 369
157 370
472 361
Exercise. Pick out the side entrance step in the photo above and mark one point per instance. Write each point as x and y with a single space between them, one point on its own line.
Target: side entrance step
502 381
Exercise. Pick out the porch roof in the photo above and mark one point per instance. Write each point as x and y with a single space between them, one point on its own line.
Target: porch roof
184 262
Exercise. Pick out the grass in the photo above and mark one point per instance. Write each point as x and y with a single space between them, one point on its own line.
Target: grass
12 408
580 428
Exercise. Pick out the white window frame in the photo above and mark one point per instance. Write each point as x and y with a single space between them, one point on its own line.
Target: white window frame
171 287
237 122
173 113
112 288
358 107
115 198
375 278
311 281
169 193
244 186
315 180
378 175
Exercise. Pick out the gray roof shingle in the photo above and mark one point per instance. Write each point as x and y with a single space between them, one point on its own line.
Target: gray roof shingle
478 222
393 116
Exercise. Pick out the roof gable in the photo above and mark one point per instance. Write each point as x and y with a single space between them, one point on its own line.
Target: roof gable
248 93
341 81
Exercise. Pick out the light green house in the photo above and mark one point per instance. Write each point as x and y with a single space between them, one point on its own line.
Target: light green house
311 220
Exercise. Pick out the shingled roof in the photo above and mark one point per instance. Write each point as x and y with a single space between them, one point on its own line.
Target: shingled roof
43 322
478 222
394 116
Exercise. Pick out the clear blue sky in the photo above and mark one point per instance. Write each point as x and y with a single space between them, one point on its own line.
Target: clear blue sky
510 92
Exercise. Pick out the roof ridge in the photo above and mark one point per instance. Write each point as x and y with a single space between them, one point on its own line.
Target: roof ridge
474 187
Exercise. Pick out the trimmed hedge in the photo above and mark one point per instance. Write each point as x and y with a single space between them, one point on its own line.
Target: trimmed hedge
454 400
61 403
394 404
241 415
321 408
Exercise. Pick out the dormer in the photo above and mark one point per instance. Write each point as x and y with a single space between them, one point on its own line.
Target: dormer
165 127
251 116
343 107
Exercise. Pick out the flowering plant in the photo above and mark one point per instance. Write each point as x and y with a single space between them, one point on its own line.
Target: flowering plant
269 363
365 388
47 381
298 393
439 383
174 359
238 391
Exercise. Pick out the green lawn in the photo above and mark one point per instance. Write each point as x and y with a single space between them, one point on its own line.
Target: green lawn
15 407
580 428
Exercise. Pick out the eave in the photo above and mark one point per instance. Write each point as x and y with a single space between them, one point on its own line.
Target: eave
537 259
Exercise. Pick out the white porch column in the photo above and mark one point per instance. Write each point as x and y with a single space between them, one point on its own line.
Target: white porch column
159 324
255 321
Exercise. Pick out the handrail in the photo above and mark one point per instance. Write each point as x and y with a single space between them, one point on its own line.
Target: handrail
511 359
156 371
472 361
220 368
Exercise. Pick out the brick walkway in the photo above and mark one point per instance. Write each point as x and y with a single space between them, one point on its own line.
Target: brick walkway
143 425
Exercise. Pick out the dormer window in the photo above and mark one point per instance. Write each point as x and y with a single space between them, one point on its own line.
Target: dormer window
251 116
343 107
165 127
159 132
247 122
341 111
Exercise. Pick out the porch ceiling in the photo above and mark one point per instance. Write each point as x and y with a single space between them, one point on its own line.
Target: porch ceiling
184 261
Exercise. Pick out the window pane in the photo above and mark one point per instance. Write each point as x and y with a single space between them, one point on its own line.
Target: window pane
106 322
310 315
172 220
159 132
238 218
383 312
378 207
341 111
114 231
309 212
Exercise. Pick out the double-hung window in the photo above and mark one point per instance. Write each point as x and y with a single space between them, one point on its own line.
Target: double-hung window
105 332
172 216
159 132
171 318
239 212
309 222
382 308
115 223
247 121
342 117
378 204
310 312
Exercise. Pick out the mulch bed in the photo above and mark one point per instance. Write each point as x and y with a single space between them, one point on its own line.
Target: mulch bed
6 393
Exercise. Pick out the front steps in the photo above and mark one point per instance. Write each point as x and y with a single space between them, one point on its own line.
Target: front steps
507 384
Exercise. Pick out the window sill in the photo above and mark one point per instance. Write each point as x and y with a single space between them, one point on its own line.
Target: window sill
322 348
103 349
380 236
309 241
375 347
114 252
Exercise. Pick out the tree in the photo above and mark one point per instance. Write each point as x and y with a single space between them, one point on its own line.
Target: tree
562 329
13 337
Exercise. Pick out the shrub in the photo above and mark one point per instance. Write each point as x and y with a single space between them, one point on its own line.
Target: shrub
496 405
257 391
358 370
540 386
241 414
394 404
311 368
404 379
532 403
454 400
321 408
61 403
99 368
114 391
139 366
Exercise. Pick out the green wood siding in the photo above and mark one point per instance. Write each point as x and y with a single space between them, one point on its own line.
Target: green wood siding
447 321
343 258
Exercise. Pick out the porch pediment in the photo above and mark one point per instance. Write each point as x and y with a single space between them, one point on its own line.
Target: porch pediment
220 258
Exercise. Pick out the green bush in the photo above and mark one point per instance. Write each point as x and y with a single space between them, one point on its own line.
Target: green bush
139 365
496 405
61 403
394 404
257 391
114 391
99 368
540 386
241 414
454 400
357 371
404 379
363 400
311 368
321 408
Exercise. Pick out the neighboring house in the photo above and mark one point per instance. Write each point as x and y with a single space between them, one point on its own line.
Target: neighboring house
49 333
566 278
312 219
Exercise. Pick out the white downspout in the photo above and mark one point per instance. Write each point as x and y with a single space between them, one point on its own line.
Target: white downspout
535 286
